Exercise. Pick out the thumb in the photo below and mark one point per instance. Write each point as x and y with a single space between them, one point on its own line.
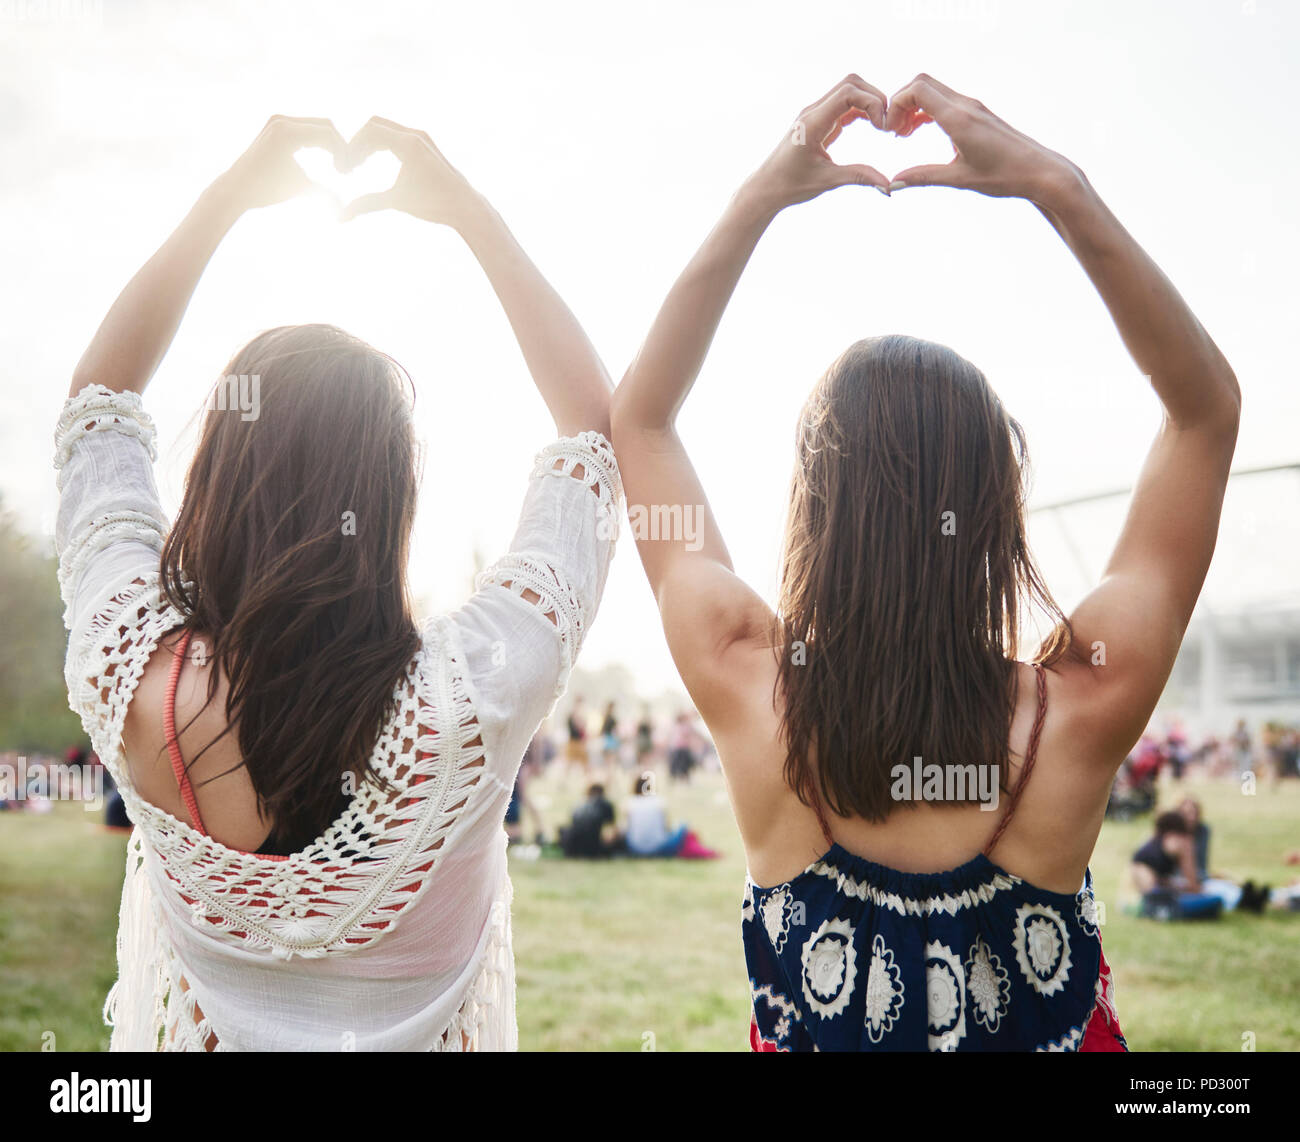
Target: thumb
367 204
858 174
935 174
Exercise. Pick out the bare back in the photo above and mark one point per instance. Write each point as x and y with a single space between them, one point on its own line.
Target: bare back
225 795
1048 841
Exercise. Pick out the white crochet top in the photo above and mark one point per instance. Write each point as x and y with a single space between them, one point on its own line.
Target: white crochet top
409 948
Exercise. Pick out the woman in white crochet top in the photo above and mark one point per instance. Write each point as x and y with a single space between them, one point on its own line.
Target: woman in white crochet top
317 783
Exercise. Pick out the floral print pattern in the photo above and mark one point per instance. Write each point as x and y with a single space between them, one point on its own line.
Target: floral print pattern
1042 948
988 985
884 998
945 995
829 968
854 956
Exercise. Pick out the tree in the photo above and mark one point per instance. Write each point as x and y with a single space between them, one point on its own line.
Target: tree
34 713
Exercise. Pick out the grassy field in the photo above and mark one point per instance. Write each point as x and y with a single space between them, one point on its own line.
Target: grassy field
609 954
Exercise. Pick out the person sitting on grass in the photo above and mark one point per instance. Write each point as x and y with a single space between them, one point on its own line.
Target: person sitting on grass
648 833
591 832
1248 897
1164 869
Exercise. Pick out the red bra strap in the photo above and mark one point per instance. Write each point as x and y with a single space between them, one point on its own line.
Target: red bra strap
1030 755
169 730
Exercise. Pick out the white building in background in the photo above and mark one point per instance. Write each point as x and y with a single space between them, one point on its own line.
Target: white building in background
1241 655
1237 664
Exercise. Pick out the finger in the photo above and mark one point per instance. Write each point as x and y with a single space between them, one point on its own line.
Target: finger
933 174
859 174
843 121
923 95
857 81
400 127
845 99
302 132
368 204
380 135
914 120
850 80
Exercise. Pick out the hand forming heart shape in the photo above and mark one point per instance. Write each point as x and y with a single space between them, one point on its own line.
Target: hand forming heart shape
989 156
426 185
885 151
343 183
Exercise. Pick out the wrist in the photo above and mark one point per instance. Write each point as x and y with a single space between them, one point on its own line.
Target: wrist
1061 189
222 202
755 205
474 218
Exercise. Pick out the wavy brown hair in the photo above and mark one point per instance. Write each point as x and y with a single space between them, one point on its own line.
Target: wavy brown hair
306 605
904 575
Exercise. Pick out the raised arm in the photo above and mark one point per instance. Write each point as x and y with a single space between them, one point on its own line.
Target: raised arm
1130 627
135 336
565 367
704 606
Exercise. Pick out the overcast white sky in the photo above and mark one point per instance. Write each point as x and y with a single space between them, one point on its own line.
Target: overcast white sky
609 137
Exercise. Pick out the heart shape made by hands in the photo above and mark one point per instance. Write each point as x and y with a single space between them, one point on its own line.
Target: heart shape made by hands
863 142
373 176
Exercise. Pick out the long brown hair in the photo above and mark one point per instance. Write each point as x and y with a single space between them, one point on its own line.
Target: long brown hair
903 576
290 553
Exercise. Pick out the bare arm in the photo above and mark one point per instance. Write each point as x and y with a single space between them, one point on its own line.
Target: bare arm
565 367
141 325
1135 619
704 606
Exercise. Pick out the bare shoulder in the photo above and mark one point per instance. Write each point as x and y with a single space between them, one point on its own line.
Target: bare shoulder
719 630
1102 693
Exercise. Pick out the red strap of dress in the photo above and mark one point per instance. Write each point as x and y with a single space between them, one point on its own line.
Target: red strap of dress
817 808
1030 754
169 730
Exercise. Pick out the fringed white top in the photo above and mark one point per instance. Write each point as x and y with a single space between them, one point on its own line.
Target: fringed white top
390 931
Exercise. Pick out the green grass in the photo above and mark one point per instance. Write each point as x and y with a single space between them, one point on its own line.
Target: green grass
611 953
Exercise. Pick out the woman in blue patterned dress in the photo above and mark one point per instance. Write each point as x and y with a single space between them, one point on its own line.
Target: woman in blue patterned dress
919 807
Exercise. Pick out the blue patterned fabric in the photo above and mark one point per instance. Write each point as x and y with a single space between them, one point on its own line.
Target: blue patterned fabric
853 956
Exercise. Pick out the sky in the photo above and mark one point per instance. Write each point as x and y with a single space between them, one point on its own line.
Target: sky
610 138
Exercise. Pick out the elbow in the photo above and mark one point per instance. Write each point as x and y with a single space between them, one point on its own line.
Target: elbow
1216 412
1230 415
628 414
620 415
1232 393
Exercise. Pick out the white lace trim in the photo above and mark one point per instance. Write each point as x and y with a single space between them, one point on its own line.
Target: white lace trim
98 408
522 571
93 537
151 1008
596 455
323 899
556 600
915 906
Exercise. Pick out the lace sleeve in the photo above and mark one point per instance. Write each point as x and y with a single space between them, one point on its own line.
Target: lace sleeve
565 539
110 524
521 632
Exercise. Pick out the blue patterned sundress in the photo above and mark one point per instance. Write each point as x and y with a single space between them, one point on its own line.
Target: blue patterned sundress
854 956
